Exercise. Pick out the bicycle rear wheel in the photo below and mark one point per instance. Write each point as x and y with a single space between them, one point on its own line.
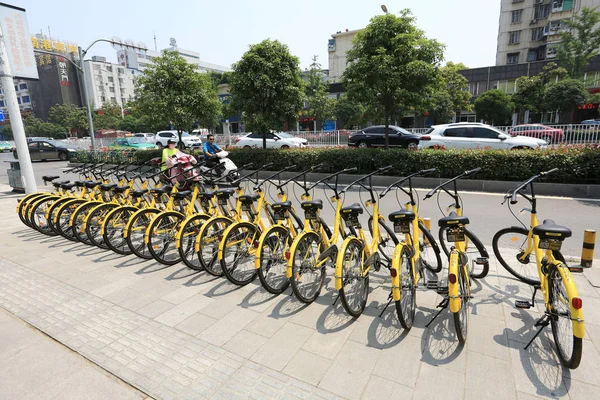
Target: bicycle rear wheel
568 346
137 230
38 218
187 241
93 226
355 282
273 261
161 237
80 221
474 249
461 317
239 248
405 307
307 278
63 219
430 251
211 234
53 209
114 226
387 240
24 204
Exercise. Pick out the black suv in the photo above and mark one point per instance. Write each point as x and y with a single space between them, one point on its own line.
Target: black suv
374 136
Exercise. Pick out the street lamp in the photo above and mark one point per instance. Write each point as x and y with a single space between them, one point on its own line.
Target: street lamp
384 8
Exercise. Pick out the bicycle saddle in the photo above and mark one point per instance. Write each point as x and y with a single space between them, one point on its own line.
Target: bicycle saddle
284 205
49 178
402 215
183 194
249 198
139 193
79 183
162 190
121 189
549 230
67 186
206 195
92 184
225 193
452 220
109 186
57 184
310 205
352 209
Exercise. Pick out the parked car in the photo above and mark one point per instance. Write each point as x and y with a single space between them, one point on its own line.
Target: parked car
279 140
189 141
473 136
134 143
591 122
546 133
48 150
374 136
5 146
36 138
148 137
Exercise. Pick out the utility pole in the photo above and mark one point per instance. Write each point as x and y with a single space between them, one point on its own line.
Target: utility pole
10 97
87 99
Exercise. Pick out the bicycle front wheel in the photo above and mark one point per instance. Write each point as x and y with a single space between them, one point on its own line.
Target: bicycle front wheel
307 277
473 249
25 203
93 226
38 218
114 226
187 241
210 237
80 221
429 249
355 280
405 307
137 230
63 219
161 237
387 240
273 261
237 258
568 346
461 317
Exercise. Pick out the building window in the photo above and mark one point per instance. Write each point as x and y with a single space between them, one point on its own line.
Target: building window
103 99
26 99
110 79
1 103
517 1
120 70
512 58
109 68
23 86
123 101
514 37
474 88
16 88
96 67
516 16
562 5
111 89
121 81
19 100
541 11
113 100
537 34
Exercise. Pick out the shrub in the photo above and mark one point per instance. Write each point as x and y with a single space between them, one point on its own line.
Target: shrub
577 163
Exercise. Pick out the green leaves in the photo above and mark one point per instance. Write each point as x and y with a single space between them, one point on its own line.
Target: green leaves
266 86
494 107
580 42
68 115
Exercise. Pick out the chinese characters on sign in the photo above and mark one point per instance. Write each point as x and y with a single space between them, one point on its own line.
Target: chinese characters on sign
18 46
62 70
44 59
47 45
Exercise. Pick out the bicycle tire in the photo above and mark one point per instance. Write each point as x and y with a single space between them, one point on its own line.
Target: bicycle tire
461 325
406 306
187 241
309 247
93 226
208 241
428 242
79 221
114 226
530 266
63 218
352 252
570 356
162 248
137 229
273 262
388 244
53 209
24 205
474 240
38 218
239 269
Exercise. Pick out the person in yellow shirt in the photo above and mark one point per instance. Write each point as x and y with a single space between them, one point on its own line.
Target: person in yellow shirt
168 152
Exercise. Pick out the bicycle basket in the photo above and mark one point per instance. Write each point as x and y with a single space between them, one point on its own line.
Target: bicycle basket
455 234
401 226
550 244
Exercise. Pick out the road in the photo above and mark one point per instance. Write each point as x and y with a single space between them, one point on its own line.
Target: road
484 210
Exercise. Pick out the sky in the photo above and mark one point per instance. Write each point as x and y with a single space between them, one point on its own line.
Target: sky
222 30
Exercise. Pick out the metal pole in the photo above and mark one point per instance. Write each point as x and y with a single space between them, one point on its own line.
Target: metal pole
87 100
10 97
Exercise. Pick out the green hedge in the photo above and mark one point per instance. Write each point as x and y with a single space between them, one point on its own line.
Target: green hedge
577 164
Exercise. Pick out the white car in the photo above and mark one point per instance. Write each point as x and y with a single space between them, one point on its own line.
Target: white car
278 140
148 137
189 141
475 136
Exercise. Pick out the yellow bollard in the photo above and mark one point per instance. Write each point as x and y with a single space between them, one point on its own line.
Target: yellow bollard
587 252
427 223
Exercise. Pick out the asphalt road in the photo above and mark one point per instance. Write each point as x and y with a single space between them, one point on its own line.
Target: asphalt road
484 210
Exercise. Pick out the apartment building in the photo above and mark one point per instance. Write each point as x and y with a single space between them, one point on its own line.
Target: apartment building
530 29
108 83
338 46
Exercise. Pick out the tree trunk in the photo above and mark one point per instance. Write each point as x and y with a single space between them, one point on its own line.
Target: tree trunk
387 132
264 140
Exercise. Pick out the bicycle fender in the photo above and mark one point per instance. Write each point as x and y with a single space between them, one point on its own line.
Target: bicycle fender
132 218
396 259
222 242
203 228
339 262
576 315
453 287
261 242
185 221
72 220
293 247
147 233
110 213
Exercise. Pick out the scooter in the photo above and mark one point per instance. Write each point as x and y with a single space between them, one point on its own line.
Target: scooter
227 167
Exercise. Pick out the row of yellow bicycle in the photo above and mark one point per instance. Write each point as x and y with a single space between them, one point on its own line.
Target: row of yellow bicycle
235 228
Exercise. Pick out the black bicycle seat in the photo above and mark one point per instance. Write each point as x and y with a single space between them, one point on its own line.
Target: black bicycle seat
206 195
549 230
107 187
249 198
453 220
352 209
67 186
139 193
284 205
402 215
92 184
183 194
312 205
225 193
49 178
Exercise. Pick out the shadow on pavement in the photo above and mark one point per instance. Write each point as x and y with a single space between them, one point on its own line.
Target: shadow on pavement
259 296
287 307
439 344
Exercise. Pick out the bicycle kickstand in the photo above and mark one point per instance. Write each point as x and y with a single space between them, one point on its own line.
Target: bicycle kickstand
543 322
442 306
390 298
336 299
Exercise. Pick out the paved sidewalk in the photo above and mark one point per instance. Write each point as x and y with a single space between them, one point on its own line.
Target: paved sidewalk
36 367
175 333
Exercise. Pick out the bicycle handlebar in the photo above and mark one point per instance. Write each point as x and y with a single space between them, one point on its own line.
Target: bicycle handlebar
241 178
311 169
382 169
463 175
513 193
401 181
332 176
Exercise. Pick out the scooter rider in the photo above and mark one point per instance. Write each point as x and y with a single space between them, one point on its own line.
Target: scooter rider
210 149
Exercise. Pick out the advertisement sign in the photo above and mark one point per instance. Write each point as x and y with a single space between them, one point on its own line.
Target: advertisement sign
55 46
329 125
19 49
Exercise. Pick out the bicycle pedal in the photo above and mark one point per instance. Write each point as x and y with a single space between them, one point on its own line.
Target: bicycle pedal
576 269
442 290
523 304
433 285
481 260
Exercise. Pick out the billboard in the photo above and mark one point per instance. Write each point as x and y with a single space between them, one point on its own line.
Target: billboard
19 49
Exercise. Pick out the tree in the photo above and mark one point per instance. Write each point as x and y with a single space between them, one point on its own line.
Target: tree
580 41
267 87
392 66
320 106
531 90
565 95
441 106
349 113
171 90
494 106
457 86
37 127
68 115
108 116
